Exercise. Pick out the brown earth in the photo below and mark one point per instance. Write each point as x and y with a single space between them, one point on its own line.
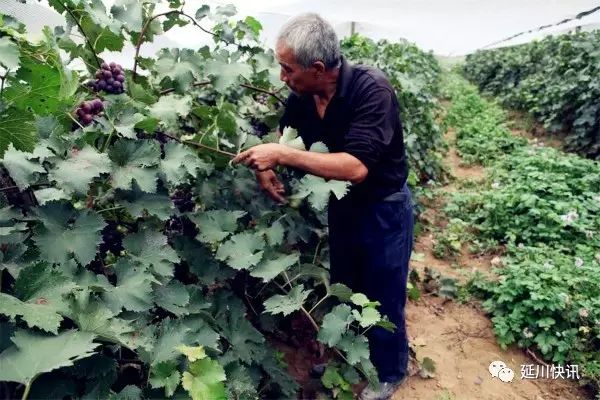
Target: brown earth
459 337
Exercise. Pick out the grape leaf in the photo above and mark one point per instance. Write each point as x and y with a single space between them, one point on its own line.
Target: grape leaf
129 12
274 233
181 66
77 172
240 383
319 147
126 123
367 317
179 162
171 334
204 380
140 204
165 374
242 250
129 392
287 304
21 170
36 315
216 225
355 347
341 291
47 195
9 54
43 284
58 238
17 127
168 108
269 268
318 190
289 137
173 297
133 290
150 248
192 353
226 75
34 354
335 324
134 161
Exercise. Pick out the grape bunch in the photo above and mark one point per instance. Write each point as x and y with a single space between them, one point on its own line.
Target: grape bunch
180 226
262 98
259 127
110 78
112 239
88 110
183 199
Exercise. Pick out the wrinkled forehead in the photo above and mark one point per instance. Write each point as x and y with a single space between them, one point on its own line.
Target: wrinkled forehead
284 54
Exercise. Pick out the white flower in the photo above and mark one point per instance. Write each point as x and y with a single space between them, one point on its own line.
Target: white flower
527 333
521 246
597 198
570 216
496 261
548 265
578 262
584 313
496 185
565 298
589 234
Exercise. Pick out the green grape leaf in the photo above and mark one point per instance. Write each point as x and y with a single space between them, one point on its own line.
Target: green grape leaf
359 299
289 137
21 170
140 204
168 108
133 290
226 75
171 334
318 190
341 291
369 316
129 392
355 347
36 315
269 268
242 250
150 248
179 162
134 162
9 53
17 127
34 354
287 304
173 297
165 374
274 233
216 225
180 66
335 324
77 172
36 87
126 123
57 237
129 12
43 284
204 380
47 195
319 147
95 318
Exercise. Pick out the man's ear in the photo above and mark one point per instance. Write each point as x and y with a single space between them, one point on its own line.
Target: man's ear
319 67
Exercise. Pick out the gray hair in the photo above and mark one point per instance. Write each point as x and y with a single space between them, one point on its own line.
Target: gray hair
311 39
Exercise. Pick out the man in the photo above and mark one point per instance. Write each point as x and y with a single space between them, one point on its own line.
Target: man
354 111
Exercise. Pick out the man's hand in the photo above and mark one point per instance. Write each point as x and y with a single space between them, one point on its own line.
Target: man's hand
268 182
263 156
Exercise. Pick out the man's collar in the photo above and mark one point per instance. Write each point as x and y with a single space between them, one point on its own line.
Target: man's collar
344 78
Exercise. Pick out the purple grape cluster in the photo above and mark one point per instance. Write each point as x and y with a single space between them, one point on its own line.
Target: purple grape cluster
88 110
180 226
183 199
109 78
112 239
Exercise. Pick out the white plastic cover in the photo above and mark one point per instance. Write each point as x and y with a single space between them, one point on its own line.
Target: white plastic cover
448 27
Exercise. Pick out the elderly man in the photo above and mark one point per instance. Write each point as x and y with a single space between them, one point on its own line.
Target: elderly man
352 109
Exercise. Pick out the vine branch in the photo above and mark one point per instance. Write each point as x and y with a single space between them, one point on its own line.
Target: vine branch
196 84
270 93
87 40
222 152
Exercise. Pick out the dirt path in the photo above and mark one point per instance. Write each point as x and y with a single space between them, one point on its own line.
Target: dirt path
459 337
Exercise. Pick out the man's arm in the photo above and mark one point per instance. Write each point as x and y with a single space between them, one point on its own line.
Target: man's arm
341 166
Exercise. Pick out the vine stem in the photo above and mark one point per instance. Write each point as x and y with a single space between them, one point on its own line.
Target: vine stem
87 40
2 79
169 90
147 24
222 152
265 91
26 392
111 209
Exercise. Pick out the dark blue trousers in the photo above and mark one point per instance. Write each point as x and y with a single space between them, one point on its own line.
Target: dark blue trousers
370 245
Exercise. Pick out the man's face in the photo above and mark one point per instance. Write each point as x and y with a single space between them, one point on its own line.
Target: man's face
299 79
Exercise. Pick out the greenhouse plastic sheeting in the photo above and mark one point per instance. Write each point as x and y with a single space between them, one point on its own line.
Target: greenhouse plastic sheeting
448 27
